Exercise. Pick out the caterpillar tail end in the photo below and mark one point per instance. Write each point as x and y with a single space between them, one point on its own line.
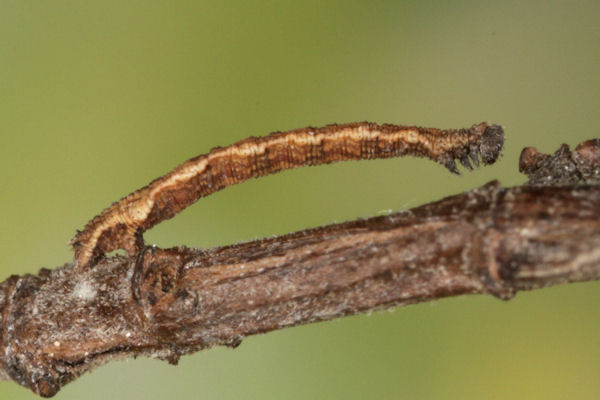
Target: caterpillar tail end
89 251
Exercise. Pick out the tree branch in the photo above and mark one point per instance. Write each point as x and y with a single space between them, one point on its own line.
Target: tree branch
168 302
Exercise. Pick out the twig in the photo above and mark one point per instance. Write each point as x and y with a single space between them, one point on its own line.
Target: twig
165 303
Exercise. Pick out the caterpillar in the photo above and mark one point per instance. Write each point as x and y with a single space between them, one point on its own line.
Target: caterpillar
121 225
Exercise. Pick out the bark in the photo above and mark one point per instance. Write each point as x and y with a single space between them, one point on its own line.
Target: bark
165 303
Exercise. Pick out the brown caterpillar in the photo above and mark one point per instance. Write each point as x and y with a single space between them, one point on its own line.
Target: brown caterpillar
121 225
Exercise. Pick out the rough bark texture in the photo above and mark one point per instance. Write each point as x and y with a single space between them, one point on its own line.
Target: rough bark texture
165 303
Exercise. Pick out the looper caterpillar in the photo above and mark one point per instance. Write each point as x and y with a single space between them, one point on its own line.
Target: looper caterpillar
121 225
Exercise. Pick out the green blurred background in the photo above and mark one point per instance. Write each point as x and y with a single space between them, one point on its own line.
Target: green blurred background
97 98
